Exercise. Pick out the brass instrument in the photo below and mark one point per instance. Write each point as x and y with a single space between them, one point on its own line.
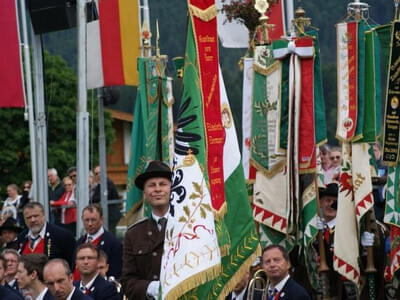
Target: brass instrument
258 285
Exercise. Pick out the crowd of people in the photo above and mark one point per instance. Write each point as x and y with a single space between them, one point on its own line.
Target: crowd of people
62 200
42 260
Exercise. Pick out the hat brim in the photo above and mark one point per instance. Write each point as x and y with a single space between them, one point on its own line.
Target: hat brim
142 178
11 228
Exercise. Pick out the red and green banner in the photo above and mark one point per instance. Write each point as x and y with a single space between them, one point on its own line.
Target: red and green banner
347 68
11 80
206 39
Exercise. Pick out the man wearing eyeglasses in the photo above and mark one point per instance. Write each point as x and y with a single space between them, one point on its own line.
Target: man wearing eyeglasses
92 283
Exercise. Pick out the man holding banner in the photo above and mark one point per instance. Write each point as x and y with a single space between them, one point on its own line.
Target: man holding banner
143 245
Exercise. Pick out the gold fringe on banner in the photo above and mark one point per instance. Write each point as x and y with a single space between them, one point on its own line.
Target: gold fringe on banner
204 14
238 276
194 281
219 214
266 71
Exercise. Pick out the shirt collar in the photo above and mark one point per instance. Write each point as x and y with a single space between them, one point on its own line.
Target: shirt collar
331 223
41 295
156 218
11 282
70 294
42 232
97 234
89 284
280 285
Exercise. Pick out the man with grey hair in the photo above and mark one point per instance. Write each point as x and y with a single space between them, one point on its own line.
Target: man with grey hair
56 190
45 238
59 280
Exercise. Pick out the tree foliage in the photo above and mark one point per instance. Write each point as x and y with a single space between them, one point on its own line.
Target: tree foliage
61 101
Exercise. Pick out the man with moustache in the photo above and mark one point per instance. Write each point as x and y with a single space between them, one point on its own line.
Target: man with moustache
43 237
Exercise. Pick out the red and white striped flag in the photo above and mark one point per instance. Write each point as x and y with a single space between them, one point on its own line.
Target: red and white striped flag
113 44
11 78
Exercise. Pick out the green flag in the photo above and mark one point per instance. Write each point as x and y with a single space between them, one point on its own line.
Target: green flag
152 124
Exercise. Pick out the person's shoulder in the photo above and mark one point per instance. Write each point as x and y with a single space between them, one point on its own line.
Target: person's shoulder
58 230
296 289
48 296
140 223
7 293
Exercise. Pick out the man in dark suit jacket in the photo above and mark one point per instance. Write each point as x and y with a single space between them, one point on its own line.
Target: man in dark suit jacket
114 210
143 245
30 276
7 293
58 278
92 217
42 237
92 283
275 262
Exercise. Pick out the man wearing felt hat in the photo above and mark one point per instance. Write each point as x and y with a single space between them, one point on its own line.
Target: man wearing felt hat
144 240
9 232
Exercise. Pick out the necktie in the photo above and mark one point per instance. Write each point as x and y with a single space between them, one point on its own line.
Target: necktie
162 222
90 239
272 293
84 290
33 241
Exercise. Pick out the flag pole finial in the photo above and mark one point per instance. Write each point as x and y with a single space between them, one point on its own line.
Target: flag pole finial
396 11
357 9
262 35
157 40
146 37
301 21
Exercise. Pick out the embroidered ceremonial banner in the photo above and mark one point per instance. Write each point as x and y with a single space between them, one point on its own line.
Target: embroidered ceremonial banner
269 236
392 111
319 103
203 14
244 244
372 88
392 217
346 35
113 43
11 75
307 146
270 205
151 132
320 172
266 92
394 265
346 245
247 96
361 176
307 224
359 134
191 254
392 208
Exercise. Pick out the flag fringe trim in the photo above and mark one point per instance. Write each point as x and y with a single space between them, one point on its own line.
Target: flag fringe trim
266 71
344 269
193 282
204 14
238 276
269 173
361 206
219 214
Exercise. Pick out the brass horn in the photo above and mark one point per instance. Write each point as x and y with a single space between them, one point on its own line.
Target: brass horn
258 286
